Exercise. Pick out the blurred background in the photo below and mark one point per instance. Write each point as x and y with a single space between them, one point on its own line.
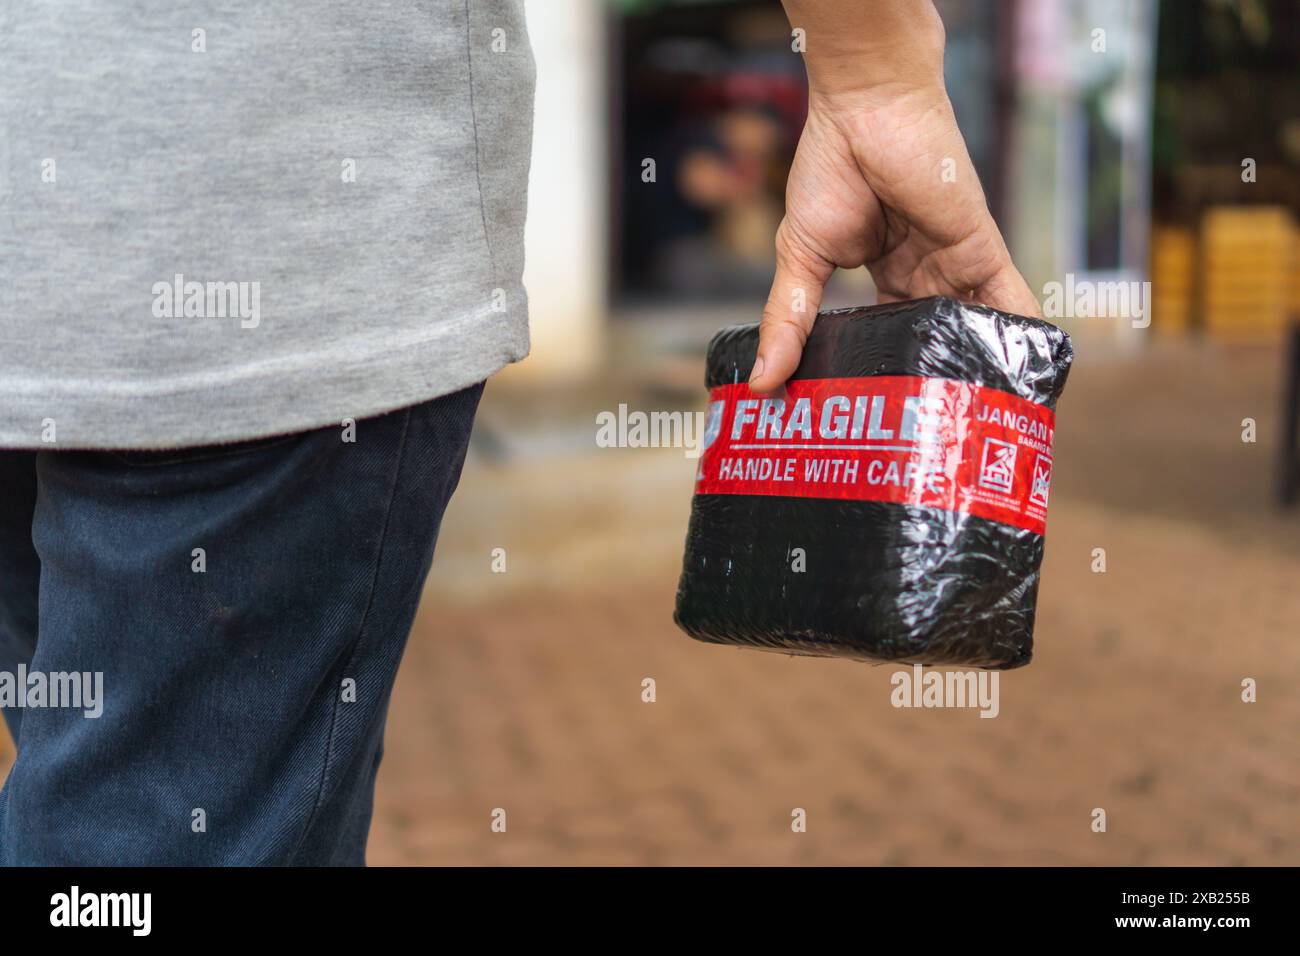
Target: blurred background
1164 149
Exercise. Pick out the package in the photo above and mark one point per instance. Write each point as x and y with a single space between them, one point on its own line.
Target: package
890 505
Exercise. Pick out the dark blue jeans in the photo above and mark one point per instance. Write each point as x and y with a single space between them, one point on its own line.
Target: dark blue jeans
244 685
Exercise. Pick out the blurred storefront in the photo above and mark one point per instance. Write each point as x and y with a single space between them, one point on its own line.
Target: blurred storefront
1111 136
1226 168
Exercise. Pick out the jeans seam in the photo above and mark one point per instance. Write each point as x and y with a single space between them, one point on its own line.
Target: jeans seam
352 649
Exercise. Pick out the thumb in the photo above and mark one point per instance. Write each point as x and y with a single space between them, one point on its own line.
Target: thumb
789 313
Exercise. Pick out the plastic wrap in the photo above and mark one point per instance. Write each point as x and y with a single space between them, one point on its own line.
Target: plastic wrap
891 504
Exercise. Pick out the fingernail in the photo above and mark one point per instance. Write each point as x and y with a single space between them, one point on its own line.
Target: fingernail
758 368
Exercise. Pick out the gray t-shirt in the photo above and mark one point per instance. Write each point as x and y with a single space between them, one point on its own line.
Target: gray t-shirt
223 219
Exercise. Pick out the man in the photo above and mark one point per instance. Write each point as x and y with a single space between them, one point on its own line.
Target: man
255 265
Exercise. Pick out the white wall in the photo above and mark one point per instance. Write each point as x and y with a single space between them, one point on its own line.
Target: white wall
565 242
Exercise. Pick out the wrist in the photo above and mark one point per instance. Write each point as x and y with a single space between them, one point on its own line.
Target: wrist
868 45
907 98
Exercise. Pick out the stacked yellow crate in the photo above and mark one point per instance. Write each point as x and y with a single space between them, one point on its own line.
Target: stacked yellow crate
1173 254
1295 278
1248 254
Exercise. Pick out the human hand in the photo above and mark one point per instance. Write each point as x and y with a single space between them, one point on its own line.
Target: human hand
881 178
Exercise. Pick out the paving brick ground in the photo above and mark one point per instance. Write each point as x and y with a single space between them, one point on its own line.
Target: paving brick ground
522 690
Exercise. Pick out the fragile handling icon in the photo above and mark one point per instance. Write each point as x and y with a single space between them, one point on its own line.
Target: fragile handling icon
1042 480
998 465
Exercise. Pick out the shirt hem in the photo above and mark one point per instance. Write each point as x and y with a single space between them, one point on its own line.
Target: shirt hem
262 401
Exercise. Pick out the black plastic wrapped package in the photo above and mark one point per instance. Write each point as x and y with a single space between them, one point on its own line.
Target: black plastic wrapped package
890 505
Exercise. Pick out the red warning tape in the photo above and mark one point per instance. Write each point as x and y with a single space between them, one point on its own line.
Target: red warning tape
904 439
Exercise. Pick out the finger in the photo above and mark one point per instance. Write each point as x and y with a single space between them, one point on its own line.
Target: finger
1008 291
979 268
789 313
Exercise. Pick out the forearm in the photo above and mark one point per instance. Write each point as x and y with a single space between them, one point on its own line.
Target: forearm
853 46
